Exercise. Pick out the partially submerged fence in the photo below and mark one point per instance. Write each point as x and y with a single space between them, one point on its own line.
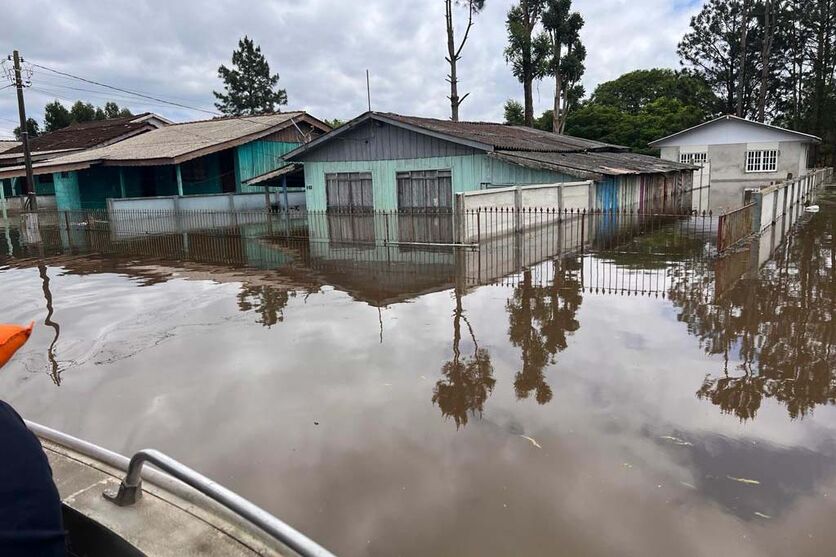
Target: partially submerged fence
769 205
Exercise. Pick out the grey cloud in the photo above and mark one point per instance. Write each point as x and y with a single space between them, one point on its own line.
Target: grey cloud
321 48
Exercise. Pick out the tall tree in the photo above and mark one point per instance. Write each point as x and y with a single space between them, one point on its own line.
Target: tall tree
514 113
566 56
526 52
31 126
769 14
56 116
742 62
712 50
249 87
454 52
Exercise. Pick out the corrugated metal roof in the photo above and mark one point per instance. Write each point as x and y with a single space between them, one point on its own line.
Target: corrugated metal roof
278 173
86 135
593 165
504 137
6 145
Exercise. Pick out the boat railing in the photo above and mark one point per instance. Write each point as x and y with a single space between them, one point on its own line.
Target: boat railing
130 489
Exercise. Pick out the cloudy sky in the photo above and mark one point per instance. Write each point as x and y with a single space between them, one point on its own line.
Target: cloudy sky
321 49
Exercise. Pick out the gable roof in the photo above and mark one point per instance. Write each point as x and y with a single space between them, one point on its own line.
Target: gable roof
485 136
178 143
7 144
86 135
804 137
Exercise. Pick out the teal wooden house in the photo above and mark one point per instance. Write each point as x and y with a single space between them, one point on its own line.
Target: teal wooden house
385 161
217 156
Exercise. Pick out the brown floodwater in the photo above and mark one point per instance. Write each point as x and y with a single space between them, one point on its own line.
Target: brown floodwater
638 399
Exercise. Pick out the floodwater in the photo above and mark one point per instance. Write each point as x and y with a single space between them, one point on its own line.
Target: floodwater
643 399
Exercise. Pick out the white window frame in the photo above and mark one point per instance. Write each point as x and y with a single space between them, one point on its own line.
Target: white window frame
696 159
761 160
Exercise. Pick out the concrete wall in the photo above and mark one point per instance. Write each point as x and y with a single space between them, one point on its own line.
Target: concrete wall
729 132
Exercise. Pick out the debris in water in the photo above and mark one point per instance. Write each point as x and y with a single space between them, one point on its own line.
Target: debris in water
812 209
744 480
316 423
532 440
762 515
677 441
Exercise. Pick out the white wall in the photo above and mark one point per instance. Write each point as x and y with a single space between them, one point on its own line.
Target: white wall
730 131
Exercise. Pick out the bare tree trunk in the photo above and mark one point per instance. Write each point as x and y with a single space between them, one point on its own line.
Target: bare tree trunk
529 99
741 72
454 55
558 84
766 51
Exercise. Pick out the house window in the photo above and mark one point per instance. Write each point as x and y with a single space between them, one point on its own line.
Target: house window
425 190
194 170
349 191
762 160
697 159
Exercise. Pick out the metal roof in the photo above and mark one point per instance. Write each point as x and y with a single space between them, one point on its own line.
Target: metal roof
86 135
503 136
592 165
801 135
6 145
177 143
278 173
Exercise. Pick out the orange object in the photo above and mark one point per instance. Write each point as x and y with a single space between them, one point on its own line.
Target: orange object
12 337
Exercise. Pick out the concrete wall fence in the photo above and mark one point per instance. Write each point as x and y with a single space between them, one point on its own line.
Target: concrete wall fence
479 213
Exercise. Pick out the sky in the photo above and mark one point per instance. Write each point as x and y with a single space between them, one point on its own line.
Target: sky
320 48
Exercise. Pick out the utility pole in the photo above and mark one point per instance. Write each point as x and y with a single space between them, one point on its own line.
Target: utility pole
32 200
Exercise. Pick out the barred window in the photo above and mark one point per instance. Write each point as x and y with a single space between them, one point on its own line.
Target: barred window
425 189
693 158
763 160
349 190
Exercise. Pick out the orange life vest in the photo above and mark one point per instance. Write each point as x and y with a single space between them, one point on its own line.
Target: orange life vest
12 337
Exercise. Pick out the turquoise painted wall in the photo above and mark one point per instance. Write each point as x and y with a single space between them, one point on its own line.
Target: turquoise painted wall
212 182
43 187
67 193
469 173
257 157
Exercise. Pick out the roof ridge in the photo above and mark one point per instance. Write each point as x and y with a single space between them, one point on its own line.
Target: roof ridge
247 117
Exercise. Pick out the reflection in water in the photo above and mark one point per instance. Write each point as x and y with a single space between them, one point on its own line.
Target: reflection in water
777 322
467 382
540 318
268 302
55 372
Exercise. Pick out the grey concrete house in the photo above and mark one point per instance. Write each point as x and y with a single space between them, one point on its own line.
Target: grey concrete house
740 153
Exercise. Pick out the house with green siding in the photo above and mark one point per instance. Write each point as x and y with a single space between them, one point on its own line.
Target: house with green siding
193 158
387 162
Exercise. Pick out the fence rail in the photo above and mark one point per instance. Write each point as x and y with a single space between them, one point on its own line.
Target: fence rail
735 226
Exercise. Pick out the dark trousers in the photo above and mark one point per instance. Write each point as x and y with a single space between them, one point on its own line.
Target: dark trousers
30 509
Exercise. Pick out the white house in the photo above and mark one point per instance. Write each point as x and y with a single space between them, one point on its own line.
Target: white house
740 154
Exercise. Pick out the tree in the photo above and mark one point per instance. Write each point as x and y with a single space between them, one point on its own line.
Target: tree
334 123
712 50
56 116
514 113
31 127
526 52
112 110
563 32
249 87
768 23
454 53
82 112
641 106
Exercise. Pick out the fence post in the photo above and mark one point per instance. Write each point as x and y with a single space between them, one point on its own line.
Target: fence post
459 213
518 224
757 199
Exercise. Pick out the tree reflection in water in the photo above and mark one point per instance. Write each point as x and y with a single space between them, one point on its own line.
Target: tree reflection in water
267 301
778 324
466 382
540 318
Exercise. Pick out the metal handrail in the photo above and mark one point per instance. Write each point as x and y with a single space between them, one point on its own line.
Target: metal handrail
130 489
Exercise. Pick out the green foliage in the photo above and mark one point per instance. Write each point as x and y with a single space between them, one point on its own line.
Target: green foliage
31 126
335 123
56 116
566 56
249 86
526 52
641 106
514 115
84 112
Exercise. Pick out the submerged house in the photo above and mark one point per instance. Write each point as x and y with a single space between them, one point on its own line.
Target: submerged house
193 158
72 139
740 153
385 161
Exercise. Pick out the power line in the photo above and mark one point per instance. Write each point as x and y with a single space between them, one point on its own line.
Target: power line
135 93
